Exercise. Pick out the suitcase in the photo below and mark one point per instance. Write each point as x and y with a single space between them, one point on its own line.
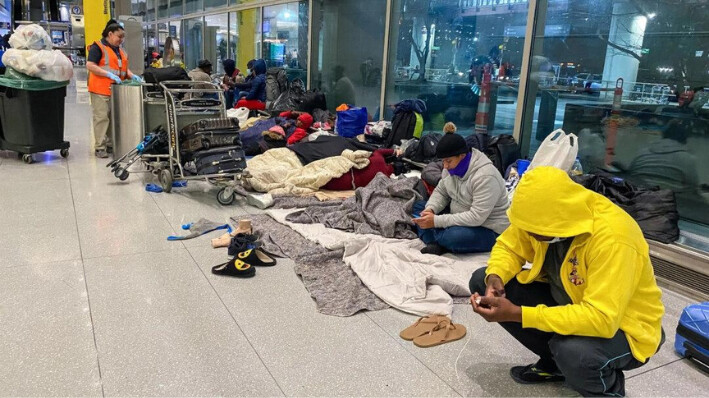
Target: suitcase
210 133
692 339
220 160
210 124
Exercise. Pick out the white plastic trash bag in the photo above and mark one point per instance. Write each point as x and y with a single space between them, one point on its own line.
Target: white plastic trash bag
559 149
44 64
242 114
30 37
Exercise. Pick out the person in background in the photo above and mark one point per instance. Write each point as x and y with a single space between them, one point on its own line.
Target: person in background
242 89
466 211
589 306
107 64
231 73
255 99
343 91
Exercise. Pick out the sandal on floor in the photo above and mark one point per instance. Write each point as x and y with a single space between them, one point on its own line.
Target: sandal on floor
243 242
224 240
257 258
444 332
422 326
236 268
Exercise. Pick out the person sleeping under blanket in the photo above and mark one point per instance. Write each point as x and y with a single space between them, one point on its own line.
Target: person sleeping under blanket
303 121
357 178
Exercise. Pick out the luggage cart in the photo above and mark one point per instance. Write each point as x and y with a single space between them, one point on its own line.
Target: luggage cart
187 102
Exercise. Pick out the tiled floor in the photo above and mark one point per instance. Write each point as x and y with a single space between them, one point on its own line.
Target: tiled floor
95 301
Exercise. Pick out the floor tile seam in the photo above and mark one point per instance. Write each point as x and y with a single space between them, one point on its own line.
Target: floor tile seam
42 263
654 369
134 253
86 284
258 355
396 341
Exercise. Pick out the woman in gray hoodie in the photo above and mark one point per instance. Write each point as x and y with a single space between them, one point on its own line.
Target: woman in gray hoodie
467 210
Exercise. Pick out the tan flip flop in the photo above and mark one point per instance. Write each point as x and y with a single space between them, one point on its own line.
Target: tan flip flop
444 332
422 326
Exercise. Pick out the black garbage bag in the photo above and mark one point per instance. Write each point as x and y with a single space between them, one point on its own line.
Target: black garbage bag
291 99
654 209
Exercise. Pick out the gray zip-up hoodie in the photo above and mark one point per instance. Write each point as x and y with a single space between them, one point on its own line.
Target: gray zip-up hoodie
477 199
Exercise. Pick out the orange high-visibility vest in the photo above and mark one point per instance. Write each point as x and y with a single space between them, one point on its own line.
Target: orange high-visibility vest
110 63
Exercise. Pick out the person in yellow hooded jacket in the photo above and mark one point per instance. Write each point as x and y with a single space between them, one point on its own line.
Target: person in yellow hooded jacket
589 306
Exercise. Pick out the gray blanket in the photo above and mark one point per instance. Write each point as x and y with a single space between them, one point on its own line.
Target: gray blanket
337 290
380 208
294 202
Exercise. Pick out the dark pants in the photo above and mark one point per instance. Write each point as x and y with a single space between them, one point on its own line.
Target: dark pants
229 98
592 366
456 239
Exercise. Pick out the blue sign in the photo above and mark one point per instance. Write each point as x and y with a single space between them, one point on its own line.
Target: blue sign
76 10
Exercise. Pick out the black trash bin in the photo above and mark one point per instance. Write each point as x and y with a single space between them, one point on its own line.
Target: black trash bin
32 116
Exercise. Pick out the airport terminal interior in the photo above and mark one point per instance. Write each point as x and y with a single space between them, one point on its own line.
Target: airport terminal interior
226 197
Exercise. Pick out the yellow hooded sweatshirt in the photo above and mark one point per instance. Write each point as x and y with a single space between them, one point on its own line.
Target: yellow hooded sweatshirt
606 272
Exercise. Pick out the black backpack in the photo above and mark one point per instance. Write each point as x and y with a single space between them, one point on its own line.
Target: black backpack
276 83
426 149
477 141
312 100
402 128
502 151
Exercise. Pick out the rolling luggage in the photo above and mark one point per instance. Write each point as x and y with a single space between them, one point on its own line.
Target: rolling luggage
210 133
220 160
692 340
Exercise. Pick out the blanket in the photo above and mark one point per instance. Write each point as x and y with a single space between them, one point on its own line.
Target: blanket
280 172
382 208
337 290
393 269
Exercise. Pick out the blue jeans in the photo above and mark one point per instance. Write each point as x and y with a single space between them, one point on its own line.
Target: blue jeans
229 98
456 239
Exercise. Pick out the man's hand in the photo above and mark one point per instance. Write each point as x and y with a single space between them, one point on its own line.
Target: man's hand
496 309
428 211
495 287
425 221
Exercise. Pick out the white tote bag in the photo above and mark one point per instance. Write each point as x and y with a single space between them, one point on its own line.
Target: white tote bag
242 114
559 149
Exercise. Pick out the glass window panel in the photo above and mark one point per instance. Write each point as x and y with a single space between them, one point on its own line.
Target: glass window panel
285 38
193 6
245 37
175 8
656 136
216 46
163 6
347 52
150 10
440 51
138 7
214 3
192 42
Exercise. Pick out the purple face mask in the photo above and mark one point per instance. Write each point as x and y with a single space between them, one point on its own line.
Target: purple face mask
462 167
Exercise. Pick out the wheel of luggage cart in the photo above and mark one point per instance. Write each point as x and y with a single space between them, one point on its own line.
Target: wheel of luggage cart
225 196
121 173
27 158
64 153
165 178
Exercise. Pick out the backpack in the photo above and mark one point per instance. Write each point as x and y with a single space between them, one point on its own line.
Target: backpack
276 83
477 141
290 99
402 128
425 151
503 151
312 100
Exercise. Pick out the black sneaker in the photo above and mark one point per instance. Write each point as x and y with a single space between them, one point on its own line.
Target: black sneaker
434 248
532 374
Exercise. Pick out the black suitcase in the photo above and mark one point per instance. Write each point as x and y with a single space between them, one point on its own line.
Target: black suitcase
220 160
210 139
210 133
209 125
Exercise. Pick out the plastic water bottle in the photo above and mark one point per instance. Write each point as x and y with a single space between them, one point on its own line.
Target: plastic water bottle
577 169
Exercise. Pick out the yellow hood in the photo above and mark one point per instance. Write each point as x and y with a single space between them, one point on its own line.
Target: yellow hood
547 202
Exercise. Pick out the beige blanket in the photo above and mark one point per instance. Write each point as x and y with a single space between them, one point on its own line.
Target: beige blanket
279 171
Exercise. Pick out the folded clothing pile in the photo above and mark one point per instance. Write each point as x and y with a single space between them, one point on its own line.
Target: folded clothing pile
32 54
